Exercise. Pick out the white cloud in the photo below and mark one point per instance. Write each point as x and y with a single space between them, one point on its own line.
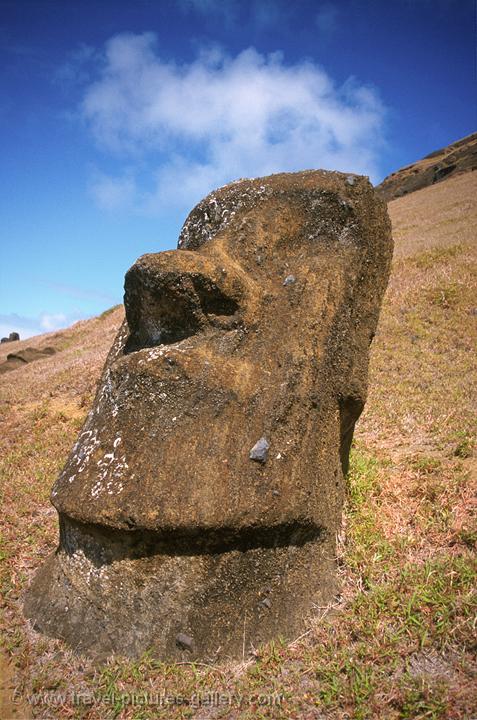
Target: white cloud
196 126
49 322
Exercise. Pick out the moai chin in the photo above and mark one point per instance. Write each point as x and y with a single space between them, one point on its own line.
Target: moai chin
199 508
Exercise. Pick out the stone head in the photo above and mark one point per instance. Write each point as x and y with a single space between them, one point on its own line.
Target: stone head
233 337
208 479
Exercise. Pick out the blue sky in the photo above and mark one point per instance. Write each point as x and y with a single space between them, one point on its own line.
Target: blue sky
117 117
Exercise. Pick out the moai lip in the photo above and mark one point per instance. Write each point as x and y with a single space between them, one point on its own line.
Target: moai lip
200 505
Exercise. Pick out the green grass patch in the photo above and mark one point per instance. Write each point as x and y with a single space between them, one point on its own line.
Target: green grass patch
465 444
366 541
436 255
446 295
402 607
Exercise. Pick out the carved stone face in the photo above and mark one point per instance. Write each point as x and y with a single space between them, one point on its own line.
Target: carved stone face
226 409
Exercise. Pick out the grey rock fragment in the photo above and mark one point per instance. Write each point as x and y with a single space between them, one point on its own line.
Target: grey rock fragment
289 280
259 452
185 642
351 179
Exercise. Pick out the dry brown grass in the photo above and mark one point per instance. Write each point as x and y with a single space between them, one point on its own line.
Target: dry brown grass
437 216
69 376
400 640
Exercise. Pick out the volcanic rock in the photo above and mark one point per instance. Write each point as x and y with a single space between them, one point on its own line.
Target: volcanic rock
259 452
169 535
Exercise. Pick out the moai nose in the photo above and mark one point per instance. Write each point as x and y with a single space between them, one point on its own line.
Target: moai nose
172 295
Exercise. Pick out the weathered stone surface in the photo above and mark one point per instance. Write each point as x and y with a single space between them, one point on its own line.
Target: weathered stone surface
168 530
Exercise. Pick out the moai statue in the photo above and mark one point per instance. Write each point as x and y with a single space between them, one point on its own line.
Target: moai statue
200 505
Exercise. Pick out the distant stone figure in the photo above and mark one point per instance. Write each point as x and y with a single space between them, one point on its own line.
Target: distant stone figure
200 505
13 337
20 358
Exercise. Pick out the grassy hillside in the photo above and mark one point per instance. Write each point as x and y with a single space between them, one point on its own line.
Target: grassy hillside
399 641
451 161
